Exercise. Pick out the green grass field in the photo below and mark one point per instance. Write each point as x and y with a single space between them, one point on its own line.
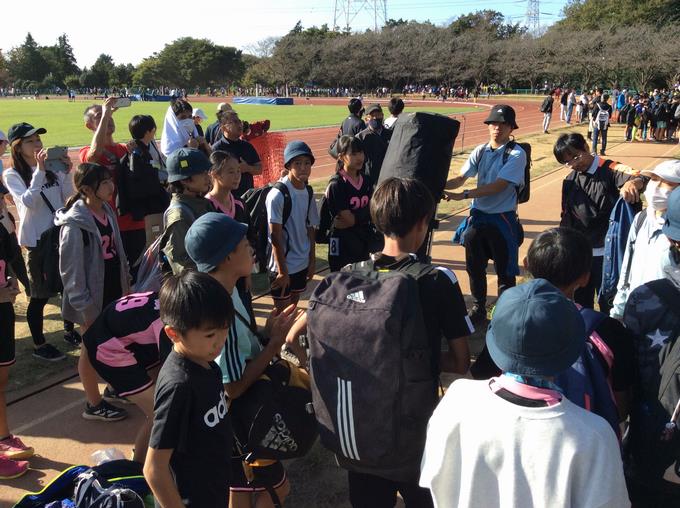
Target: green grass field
64 120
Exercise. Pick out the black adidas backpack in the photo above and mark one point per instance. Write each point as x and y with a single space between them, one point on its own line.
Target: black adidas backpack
373 388
255 203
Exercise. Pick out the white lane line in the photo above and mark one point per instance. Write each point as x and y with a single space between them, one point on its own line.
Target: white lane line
49 416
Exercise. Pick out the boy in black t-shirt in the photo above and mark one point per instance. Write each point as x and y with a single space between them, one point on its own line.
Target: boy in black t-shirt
189 456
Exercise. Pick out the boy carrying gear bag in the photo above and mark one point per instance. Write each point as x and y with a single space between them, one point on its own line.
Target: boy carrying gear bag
375 341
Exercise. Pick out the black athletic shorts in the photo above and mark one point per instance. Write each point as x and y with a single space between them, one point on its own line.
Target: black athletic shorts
298 284
7 357
126 380
273 475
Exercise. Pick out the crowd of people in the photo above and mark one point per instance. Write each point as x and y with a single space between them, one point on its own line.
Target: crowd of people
565 406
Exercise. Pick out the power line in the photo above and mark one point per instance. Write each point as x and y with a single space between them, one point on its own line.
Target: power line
346 12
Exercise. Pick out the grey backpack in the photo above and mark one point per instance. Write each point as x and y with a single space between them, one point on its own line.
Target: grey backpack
92 491
373 386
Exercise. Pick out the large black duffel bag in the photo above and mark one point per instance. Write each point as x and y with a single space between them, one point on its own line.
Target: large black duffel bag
421 148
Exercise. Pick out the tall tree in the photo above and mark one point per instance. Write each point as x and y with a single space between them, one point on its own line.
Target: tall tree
26 62
101 71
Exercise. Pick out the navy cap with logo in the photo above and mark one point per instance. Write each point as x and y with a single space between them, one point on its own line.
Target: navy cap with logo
671 227
535 330
211 238
186 162
502 113
295 149
23 130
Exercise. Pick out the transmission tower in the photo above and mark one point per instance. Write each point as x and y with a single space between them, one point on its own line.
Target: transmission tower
351 13
533 16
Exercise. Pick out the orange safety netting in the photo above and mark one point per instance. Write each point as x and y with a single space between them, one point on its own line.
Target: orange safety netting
269 147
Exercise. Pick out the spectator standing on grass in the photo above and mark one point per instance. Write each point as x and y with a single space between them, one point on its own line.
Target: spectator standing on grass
248 158
492 231
395 107
646 255
563 104
375 139
602 113
571 103
37 194
213 132
93 267
353 124
106 152
589 193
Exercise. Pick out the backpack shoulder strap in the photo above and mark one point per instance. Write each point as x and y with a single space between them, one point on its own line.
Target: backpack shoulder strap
175 206
287 202
592 318
310 192
509 147
47 202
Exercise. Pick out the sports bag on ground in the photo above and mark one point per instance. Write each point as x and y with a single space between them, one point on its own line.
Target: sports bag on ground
586 383
273 419
92 491
421 148
372 382
255 202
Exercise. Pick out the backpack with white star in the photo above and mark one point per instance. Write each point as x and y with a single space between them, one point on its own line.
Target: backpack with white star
653 444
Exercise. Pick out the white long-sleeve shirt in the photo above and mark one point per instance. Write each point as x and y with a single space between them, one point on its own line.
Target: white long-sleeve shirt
485 452
34 215
650 258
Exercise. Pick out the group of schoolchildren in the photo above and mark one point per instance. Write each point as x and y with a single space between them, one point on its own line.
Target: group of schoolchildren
651 116
184 353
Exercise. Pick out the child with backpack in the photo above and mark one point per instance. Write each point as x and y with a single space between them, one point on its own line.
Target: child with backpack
93 267
292 260
12 449
188 460
188 181
219 246
351 235
37 194
359 384
125 345
651 314
515 440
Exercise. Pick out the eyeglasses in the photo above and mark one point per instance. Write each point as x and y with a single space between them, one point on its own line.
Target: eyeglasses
573 160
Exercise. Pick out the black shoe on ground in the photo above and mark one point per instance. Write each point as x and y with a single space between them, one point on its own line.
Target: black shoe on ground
104 412
111 396
48 353
602 152
478 315
72 338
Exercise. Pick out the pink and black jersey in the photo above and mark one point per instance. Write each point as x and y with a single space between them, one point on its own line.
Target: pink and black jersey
343 193
129 332
112 288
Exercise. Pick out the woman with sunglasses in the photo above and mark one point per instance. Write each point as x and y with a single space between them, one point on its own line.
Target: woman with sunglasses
589 193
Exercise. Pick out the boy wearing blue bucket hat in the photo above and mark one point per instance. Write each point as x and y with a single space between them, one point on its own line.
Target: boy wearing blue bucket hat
293 218
514 440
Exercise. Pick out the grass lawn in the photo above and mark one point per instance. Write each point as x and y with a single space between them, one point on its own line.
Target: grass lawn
64 120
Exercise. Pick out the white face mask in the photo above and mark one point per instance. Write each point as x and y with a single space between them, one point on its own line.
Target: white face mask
188 125
656 196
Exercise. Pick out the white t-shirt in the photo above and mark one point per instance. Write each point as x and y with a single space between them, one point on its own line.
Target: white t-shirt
295 236
483 451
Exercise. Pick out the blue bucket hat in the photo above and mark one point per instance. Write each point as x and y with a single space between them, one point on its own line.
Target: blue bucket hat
183 163
671 228
535 330
211 238
295 149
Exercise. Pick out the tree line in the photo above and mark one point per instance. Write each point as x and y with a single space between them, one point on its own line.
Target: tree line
598 42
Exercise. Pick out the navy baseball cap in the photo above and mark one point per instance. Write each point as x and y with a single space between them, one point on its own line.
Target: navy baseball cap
295 149
23 130
671 228
186 162
502 113
535 330
211 238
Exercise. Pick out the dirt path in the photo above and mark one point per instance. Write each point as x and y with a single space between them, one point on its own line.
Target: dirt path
50 421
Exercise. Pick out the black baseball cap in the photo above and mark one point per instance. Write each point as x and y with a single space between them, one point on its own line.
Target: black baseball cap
23 130
502 113
355 106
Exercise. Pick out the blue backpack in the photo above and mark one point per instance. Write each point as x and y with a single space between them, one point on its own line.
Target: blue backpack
620 222
586 383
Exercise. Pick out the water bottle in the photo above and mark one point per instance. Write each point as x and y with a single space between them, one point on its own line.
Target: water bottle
106 455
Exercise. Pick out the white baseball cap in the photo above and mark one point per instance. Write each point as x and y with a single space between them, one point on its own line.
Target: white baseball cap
224 106
198 112
667 170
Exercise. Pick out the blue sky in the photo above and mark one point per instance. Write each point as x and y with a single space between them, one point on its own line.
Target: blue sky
130 31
